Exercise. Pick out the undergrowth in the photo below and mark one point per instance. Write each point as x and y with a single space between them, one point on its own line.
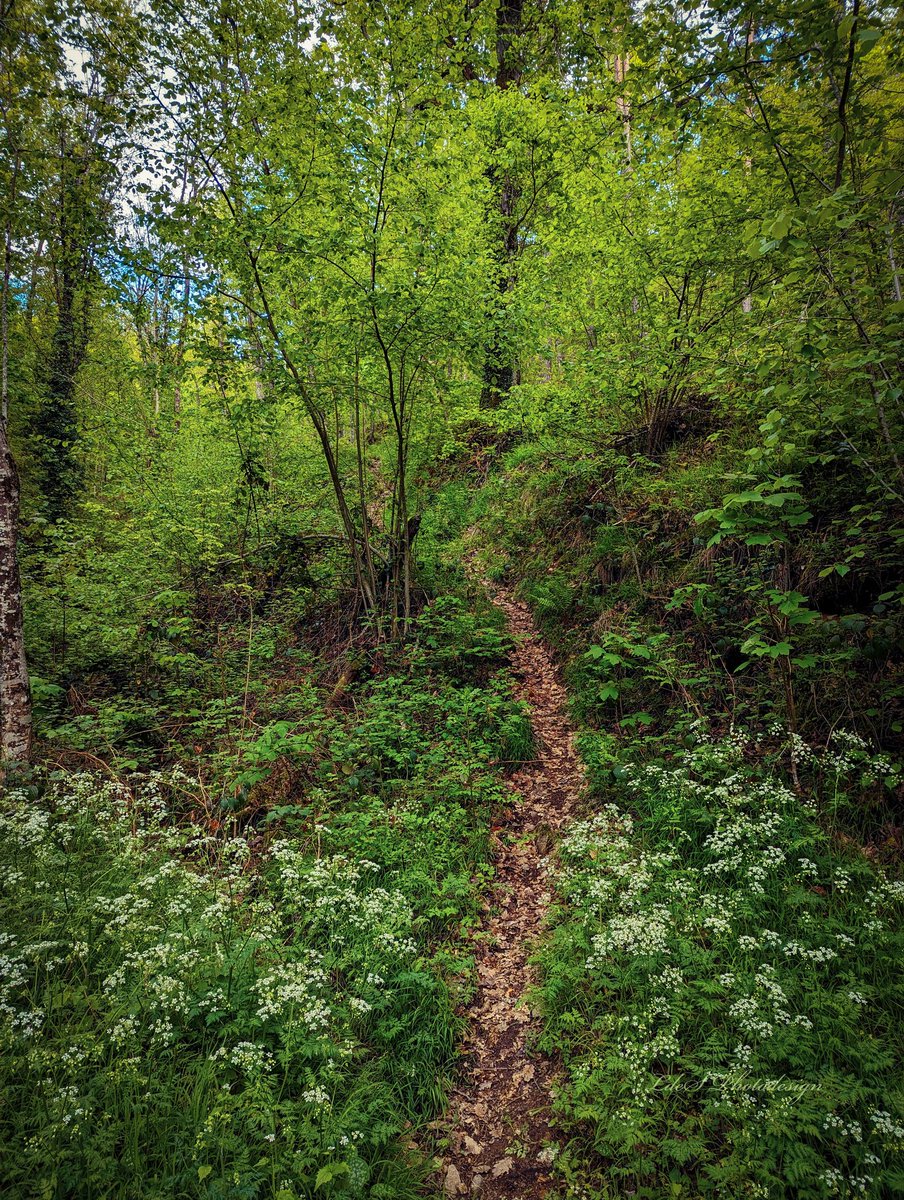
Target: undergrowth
724 982
175 1024
706 583
722 974
255 996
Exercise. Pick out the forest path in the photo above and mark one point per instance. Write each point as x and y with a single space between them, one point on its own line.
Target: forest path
500 1117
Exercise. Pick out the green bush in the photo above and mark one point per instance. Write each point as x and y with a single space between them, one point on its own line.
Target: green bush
186 1013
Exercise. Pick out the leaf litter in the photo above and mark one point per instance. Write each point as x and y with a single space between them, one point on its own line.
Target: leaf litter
501 1140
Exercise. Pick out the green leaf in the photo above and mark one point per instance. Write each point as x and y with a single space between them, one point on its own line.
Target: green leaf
330 1172
845 25
868 38
642 718
204 1171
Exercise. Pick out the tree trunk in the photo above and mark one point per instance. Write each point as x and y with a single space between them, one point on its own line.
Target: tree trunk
498 364
747 301
15 699
56 422
623 105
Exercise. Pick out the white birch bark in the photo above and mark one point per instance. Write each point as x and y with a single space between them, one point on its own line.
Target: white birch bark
15 698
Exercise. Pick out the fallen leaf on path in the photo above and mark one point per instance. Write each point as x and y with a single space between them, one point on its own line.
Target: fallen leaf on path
453 1185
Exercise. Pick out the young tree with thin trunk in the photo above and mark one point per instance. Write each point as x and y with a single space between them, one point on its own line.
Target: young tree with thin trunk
319 221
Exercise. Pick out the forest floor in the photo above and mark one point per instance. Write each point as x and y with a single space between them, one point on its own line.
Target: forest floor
500 1125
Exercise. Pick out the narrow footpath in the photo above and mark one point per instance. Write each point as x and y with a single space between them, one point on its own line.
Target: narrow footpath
502 1143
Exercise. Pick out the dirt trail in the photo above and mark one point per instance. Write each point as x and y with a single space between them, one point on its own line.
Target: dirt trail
500 1113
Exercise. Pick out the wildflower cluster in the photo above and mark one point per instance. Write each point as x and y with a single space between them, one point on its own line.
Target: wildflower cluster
716 943
231 1030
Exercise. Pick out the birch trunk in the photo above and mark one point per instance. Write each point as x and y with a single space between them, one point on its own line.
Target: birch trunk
15 699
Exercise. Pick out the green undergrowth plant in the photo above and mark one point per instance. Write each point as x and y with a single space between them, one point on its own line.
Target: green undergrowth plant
723 979
189 1015
626 672
409 775
437 707
443 522
461 638
767 580
411 782
251 989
